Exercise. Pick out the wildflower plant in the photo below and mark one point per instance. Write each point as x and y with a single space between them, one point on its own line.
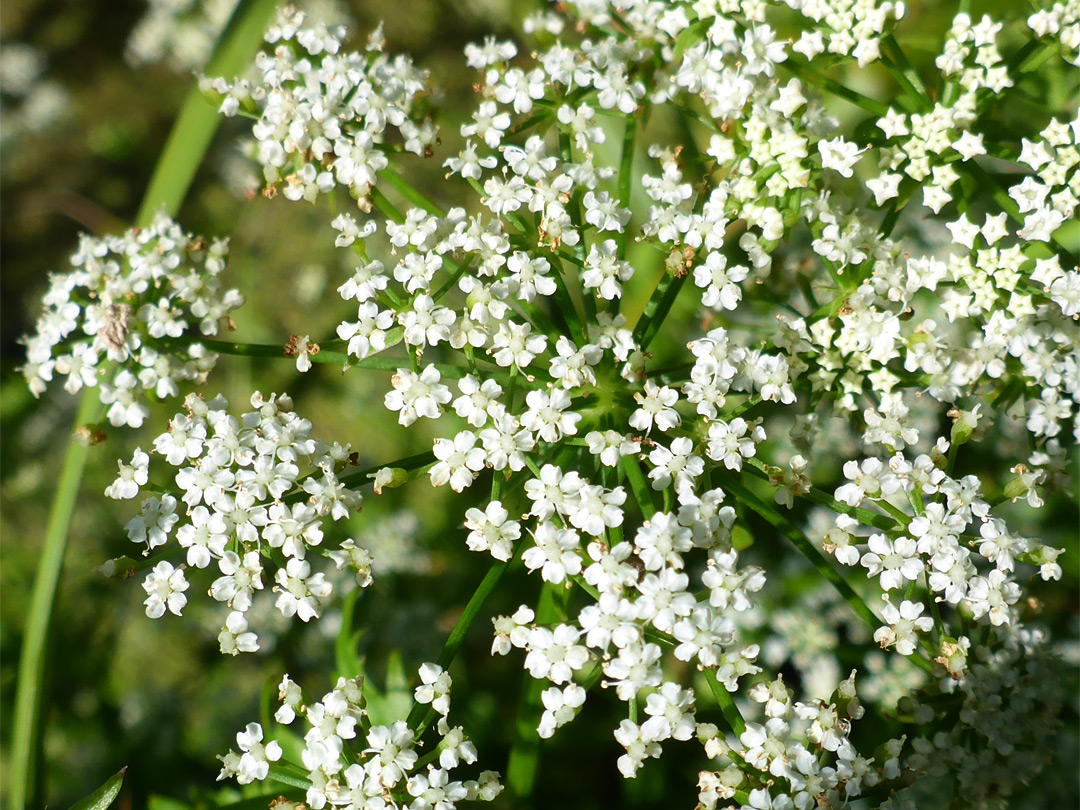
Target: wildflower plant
685 332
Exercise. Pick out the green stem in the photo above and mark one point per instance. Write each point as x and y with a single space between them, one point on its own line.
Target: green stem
279 774
198 120
727 704
388 209
822 498
829 86
642 493
905 74
524 762
657 308
22 773
457 635
626 178
410 193
187 143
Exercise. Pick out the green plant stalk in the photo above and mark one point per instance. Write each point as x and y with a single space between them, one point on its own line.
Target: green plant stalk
524 761
22 776
626 179
410 193
830 86
656 310
727 704
641 490
188 141
419 713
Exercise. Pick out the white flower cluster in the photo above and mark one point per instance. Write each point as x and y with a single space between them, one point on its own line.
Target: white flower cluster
1061 20
325 116
31 103
621 478
846 27
800 757
178 32
642 597
1007 709
352 764
951 531
132 300
251 496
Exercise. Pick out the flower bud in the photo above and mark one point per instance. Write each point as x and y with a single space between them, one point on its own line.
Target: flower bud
389 477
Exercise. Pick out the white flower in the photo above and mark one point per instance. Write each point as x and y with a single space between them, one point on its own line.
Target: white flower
555 654
731 442
555 554
514 345
165 587
611 446
131 477
235 637
254 762
902 626
492 530
299 591
655 408
603 270
435 688
892 561
560 707
839 155
417 395
458 461
547 416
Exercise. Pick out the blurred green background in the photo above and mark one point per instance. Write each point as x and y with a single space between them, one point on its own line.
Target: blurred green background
157 696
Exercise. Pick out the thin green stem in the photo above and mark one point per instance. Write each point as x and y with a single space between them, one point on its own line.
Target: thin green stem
905 74
524 762
457 635
835 88
656 310
642 493
727 704
822 498
387 208
626 179
22 773
198 120
410 193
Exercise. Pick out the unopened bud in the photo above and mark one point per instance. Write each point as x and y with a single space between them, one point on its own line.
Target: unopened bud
389 477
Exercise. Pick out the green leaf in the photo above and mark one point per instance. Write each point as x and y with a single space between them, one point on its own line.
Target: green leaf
690 37
105 795
346 656
391 704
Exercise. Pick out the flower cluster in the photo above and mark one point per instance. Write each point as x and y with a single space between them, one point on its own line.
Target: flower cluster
801 756
178 32
324 115
810 334
251 497
581 435
132 300
31 103
355 763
